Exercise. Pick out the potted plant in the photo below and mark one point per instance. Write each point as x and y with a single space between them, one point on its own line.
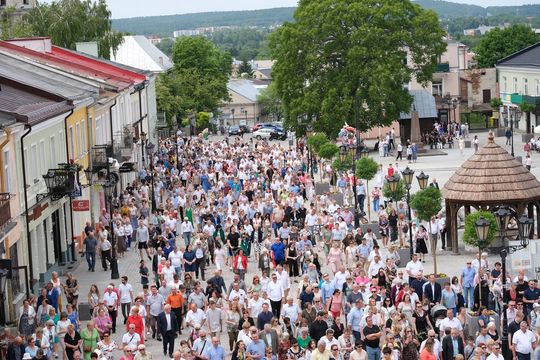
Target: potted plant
366 168
426 204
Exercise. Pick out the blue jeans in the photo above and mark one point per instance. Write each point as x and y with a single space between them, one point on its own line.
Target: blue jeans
376 204
187 238
91 260
373 353
468 296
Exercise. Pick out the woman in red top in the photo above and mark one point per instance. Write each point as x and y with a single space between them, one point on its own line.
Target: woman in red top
335 304
136 320
240 264
428 353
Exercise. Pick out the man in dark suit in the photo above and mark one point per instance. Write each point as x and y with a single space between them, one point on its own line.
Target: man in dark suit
15 350
432 291
270 338
452 345
167 327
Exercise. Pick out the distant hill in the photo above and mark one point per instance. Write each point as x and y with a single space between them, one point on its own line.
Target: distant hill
166 25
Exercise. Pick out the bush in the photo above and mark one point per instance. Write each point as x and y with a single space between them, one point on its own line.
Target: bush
396 195
469 234
328 151
366 168
316 140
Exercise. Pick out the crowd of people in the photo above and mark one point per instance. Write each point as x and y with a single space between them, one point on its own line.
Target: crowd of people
306 283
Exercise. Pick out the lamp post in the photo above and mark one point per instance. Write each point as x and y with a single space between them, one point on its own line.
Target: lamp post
150 152
108 187
143 141
352 152
407 178
309 132
503 215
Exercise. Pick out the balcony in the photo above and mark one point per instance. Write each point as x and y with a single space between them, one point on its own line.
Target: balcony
100 157
124 143
443 68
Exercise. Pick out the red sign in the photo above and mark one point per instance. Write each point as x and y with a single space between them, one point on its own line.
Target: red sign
81 205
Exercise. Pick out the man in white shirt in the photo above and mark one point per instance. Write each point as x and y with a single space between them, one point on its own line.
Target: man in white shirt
450 322
176 257
126 297
195 316
187 230
276 294
110 298
496 353
131 339
213 318
255 305
374 267
291 310
523 342
237 292
413 267
283 277
437 347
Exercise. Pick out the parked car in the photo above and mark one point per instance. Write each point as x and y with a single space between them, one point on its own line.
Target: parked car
245 129
278 134
263 133
234 130
256 127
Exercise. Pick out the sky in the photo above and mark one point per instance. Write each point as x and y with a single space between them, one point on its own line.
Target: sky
133 8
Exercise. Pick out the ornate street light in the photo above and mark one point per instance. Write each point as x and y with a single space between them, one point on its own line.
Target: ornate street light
364 153
108 188
343 152
392 182
482 228
422 180
49 178
524 229
502 215
407 176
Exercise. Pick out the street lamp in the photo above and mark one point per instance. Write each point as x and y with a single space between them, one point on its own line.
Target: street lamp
422 180
407 178
309 132
525 224
143 141
150 151
482 228
108 188
392 182
364 154
343 153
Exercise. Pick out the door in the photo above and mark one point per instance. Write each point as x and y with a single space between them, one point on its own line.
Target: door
56 237
486 96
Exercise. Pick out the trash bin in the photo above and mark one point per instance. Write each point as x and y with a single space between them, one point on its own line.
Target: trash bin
84 312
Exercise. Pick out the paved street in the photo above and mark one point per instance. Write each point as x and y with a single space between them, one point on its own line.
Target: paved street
439 167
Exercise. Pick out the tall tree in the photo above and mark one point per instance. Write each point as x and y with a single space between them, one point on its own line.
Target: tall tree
198 81
70 21
498 44
270 103
245 68
345 55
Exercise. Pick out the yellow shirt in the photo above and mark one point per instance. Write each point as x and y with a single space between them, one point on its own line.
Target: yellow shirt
317 355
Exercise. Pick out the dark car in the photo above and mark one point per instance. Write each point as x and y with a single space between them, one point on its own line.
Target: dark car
234 130
245 129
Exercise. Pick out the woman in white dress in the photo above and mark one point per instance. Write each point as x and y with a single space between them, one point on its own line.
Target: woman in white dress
220 257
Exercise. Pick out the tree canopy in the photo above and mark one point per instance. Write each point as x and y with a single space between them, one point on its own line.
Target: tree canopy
328 151
317 140
498 44
342 55
270 103
366 168
67 22
198 81
469 233
426 203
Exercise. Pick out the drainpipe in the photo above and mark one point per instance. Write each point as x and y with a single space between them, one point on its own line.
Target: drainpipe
140 117
70 203
111 117
4 143
28 128
90 125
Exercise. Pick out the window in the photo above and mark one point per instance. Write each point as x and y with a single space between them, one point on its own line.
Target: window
7 176
42 158
486 96
78 137
525 86
52 148
437 88
71 140
35 166
515 85
2 2
83 138
505 84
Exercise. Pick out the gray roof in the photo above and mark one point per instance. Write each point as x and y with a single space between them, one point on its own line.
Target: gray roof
157 55
246 88
528 57
266 72
424 103
50 81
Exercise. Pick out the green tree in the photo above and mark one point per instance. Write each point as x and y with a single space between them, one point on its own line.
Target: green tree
317 140
366 168
198 81
469 232
498 44
328 151
342 55
67 22
342 165
270 103
527 109
10 28
396 195
166 45
202 121
245 69
426 204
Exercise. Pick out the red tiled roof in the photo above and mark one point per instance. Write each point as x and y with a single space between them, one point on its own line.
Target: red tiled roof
78 64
